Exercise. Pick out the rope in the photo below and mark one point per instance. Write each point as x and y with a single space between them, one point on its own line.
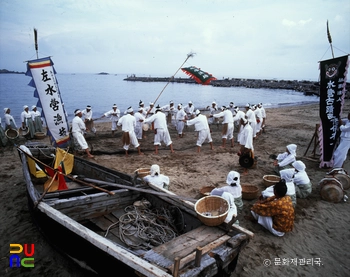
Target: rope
143 228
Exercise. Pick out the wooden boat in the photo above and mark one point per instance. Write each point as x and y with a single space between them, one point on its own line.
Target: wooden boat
89 225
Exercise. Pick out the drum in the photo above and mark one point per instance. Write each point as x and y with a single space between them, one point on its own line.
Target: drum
331 190
246 160
341 175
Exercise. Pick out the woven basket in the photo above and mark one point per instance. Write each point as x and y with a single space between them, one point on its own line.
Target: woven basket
23 132
249 192
205 191
39 135
11 134
142 172
212 210
270 180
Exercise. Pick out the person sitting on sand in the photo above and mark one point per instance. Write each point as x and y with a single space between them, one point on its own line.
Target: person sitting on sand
128 123
232 212
156 178
287 176
275 213
285 160
201 126
341 152
303 186
233 187
78 129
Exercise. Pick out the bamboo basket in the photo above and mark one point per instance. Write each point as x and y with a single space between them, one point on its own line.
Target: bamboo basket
142 172
212 210
249 192
39 135
11 134
205 191
23 132
270 180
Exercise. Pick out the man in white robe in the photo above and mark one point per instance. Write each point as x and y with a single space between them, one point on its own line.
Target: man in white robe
246 138
227 132
201 126
139 122
285 160
180 119
161 130
89 123
128 123
10 122
341 152
78 129
250 115
114 115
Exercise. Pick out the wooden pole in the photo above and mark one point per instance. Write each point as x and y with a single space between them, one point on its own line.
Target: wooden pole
189 55
47 189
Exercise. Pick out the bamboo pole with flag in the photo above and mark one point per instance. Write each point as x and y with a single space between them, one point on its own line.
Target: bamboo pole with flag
189 55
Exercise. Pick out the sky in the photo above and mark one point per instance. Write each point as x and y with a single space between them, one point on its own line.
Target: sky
269 39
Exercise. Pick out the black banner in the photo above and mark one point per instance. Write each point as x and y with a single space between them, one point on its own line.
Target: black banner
332 91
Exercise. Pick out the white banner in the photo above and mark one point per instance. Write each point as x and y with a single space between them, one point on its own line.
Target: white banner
44 80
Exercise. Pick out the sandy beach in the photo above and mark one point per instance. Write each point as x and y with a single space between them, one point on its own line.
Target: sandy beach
321 230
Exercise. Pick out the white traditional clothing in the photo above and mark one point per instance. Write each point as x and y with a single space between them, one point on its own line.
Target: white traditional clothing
233 187
228 120
259 118
287 175
286 159
156 178
114 116
180 123
26 118
150 110
189 110
267 222
10 122
232 212
237 121
303 186
341 152
212 110
250 115
128 123
246 137
36 117
201 125
78 129
139 123
161 129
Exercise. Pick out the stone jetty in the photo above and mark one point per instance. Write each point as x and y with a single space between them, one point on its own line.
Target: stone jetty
306 87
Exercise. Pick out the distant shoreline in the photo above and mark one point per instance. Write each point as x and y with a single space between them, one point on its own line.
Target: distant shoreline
5 71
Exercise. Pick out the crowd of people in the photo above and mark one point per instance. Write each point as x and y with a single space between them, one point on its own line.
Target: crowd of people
274 209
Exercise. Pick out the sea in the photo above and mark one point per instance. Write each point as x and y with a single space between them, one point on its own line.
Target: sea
102 91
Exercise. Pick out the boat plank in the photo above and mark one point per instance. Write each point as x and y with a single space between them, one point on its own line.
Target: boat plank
185 244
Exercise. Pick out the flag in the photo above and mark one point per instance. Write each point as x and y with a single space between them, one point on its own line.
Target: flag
46 89
332 92
200 76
